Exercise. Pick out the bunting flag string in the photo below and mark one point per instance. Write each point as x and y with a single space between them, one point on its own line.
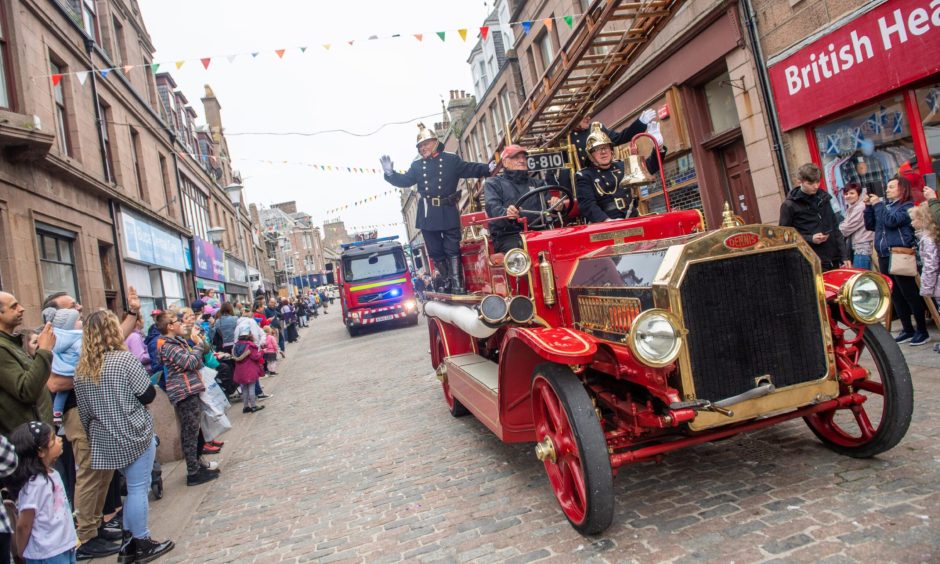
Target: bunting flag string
280 53
316 166
369 200
374 226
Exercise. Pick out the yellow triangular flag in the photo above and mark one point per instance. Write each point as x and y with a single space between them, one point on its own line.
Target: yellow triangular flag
179 64
326 46
463 34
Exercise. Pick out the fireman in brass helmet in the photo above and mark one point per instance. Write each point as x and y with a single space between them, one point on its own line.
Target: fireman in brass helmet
600 194
435 176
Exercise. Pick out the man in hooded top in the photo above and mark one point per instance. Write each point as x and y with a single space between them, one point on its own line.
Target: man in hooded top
435 176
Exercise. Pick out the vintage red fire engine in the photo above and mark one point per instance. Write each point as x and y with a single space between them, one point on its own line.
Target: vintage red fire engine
616 342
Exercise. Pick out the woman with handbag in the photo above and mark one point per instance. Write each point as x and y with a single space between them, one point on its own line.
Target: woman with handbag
112 389
895 243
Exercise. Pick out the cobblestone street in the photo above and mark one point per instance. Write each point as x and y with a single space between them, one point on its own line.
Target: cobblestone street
356 458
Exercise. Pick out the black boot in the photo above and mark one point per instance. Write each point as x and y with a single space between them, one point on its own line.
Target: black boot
444 269
456 276
128 551
149 549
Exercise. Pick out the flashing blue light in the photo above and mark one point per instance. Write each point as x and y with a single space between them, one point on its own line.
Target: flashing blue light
395 292
368 242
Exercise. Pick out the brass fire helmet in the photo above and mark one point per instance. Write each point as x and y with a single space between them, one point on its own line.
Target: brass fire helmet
596 138
424 134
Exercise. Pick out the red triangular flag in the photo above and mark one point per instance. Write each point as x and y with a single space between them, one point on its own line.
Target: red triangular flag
419 36
56 79
205 62
351 41
280 53
484 31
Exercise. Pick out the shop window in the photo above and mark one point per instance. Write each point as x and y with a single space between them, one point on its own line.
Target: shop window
928 100
57 261
866 147
719 97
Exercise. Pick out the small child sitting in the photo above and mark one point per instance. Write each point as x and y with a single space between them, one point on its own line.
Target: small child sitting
67 326
270 352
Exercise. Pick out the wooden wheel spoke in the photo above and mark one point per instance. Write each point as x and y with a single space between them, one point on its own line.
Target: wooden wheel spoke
864 424
871 386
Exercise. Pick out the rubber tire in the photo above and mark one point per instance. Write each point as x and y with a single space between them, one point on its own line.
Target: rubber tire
898 389
592 446
454 406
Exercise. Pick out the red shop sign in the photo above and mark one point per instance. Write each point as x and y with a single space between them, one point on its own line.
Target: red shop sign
892 45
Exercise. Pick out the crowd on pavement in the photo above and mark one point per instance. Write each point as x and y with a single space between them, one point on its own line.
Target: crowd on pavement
897 234
75 399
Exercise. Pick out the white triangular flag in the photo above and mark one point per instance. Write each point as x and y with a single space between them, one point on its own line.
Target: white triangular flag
231 58
82 76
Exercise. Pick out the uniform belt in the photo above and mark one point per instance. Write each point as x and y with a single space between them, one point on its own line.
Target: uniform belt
616 204
438 201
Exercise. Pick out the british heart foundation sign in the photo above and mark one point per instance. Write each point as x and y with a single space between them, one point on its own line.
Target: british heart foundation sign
892 45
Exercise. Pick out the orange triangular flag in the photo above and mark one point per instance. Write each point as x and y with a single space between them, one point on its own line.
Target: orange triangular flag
280 53
56 79
419 36
463 34
205 62
127 68
548 23
484 31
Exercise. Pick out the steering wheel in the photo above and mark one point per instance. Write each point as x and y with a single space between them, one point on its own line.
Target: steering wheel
546 216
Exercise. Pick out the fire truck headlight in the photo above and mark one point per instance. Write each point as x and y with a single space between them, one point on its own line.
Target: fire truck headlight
354 315
865 297
655 338
409 305
517 262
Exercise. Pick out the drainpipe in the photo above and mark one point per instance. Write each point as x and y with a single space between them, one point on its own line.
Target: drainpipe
89 50
750 21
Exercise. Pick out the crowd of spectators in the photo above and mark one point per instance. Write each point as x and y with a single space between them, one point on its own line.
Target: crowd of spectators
77 436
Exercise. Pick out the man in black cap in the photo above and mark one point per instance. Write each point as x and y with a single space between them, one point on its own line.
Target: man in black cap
436 174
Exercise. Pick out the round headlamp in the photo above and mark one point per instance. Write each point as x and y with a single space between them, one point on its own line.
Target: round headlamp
517 262
866 297
655 338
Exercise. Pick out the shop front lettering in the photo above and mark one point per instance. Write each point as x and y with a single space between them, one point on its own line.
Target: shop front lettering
894 29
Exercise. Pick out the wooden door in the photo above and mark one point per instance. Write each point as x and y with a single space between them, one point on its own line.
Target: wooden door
738 181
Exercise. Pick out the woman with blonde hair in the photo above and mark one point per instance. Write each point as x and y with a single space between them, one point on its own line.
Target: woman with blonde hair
111 389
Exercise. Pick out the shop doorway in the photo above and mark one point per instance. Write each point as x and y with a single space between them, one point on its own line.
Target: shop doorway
740 187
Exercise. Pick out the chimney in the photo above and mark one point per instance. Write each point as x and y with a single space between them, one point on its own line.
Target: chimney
463 94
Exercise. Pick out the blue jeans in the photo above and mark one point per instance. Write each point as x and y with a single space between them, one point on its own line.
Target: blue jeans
137 505
67 557
862 261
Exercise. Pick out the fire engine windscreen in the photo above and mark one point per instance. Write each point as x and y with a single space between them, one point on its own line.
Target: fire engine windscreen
374 265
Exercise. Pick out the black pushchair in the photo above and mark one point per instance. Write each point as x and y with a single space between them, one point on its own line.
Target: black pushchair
223 376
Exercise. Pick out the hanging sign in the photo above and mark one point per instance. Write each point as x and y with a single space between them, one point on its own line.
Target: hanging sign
890 46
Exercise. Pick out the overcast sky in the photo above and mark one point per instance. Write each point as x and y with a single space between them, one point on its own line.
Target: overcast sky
357 88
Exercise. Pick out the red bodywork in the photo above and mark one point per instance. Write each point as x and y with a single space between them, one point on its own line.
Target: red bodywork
631 421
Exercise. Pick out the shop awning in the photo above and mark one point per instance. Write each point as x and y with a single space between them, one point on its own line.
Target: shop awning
608 40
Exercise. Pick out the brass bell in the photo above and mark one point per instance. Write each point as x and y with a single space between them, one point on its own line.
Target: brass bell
633 172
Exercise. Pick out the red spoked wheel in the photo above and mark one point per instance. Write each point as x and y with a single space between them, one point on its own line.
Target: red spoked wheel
573 448
878 424
456 408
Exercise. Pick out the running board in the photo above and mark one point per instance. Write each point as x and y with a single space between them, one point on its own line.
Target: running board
484 371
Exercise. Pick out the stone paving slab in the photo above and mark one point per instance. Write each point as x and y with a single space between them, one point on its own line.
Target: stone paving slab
356 459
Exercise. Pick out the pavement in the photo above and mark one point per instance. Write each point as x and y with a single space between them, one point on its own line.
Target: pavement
357 459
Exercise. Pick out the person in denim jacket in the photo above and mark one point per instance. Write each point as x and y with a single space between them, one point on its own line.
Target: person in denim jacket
892 226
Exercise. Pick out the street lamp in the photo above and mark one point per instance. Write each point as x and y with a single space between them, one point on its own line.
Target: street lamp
235 196
215 234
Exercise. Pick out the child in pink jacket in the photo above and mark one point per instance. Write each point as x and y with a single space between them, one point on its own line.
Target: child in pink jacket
270 352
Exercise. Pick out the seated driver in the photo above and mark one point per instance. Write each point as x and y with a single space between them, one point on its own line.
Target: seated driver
600 195
502 191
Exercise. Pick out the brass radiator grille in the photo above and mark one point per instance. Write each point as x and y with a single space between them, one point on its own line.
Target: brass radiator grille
609 314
